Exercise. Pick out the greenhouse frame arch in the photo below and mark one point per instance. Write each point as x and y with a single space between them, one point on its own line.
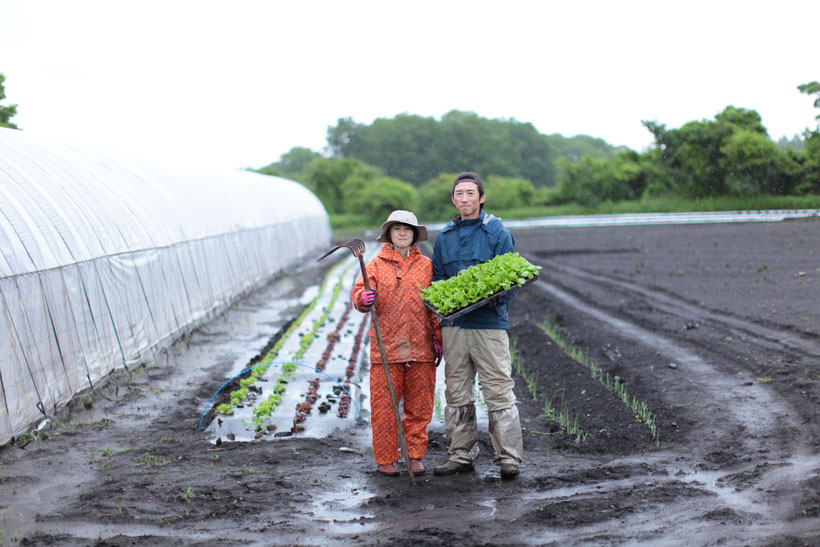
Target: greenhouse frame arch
105 262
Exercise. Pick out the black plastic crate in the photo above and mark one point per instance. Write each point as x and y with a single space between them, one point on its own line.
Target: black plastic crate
447 320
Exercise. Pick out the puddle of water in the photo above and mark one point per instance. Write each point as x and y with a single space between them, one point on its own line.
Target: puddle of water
753 498
786 476
342 511
490 504
637 219
309 295
20 504
98 533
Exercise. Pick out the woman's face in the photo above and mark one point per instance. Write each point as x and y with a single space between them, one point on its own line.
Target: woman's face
401 235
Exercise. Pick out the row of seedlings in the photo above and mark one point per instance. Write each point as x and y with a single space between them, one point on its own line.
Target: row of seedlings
248 391
304 343
614 384
559 414
305 407
350 371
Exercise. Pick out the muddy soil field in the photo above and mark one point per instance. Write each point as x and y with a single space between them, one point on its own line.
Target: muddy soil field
709 333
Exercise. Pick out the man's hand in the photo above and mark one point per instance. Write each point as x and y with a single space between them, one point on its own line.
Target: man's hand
368 297
438 351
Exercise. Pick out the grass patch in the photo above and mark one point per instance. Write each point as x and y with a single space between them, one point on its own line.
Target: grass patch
351 223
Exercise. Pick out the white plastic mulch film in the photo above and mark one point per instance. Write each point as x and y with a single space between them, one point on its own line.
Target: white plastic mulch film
104 263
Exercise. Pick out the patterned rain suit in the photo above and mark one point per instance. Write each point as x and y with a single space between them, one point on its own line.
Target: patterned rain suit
409 331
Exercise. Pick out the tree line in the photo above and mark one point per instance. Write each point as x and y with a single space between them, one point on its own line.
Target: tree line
6 112
409 162
417 149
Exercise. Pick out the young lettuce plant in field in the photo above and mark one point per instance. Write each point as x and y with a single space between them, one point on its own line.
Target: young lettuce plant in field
263 410
479 282
239 396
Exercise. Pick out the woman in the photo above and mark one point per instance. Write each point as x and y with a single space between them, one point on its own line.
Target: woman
412 341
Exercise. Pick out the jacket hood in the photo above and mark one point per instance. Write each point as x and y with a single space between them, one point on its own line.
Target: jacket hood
487 221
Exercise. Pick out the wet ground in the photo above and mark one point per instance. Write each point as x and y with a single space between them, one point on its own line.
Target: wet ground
709 333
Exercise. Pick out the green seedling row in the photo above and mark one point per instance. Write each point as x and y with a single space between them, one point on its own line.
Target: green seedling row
307 339
530 378
639 408
264 409
560 414
479 282
240 395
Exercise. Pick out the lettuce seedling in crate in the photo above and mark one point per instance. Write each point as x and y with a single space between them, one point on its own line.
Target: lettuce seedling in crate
479 282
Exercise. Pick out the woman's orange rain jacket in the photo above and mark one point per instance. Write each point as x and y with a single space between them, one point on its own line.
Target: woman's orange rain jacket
409 329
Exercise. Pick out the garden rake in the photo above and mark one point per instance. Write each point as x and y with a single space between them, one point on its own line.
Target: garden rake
356 246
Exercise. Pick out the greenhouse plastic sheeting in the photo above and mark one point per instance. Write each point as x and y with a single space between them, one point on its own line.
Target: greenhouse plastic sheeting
104 262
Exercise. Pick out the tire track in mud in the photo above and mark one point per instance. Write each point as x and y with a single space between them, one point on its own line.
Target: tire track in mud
772 338
655 309
763 486
747 401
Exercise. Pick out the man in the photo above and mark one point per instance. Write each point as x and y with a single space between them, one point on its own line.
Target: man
477 342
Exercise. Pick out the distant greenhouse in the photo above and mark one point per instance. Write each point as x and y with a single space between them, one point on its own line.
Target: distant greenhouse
104 262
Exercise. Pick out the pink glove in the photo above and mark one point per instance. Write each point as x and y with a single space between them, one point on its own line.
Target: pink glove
438 350
368 297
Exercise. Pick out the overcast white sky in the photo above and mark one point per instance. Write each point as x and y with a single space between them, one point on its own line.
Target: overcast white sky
237 84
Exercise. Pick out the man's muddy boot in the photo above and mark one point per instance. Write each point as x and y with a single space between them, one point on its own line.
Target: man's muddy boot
509 471
451 468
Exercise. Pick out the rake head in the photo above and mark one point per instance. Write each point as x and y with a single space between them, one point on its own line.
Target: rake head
356 247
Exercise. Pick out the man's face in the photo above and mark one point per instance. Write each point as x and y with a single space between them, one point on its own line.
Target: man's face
467 200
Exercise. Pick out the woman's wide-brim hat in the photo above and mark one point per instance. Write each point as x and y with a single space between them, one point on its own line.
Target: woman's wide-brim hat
403 217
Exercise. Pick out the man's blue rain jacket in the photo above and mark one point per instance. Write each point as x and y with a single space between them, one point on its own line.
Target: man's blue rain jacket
464 243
